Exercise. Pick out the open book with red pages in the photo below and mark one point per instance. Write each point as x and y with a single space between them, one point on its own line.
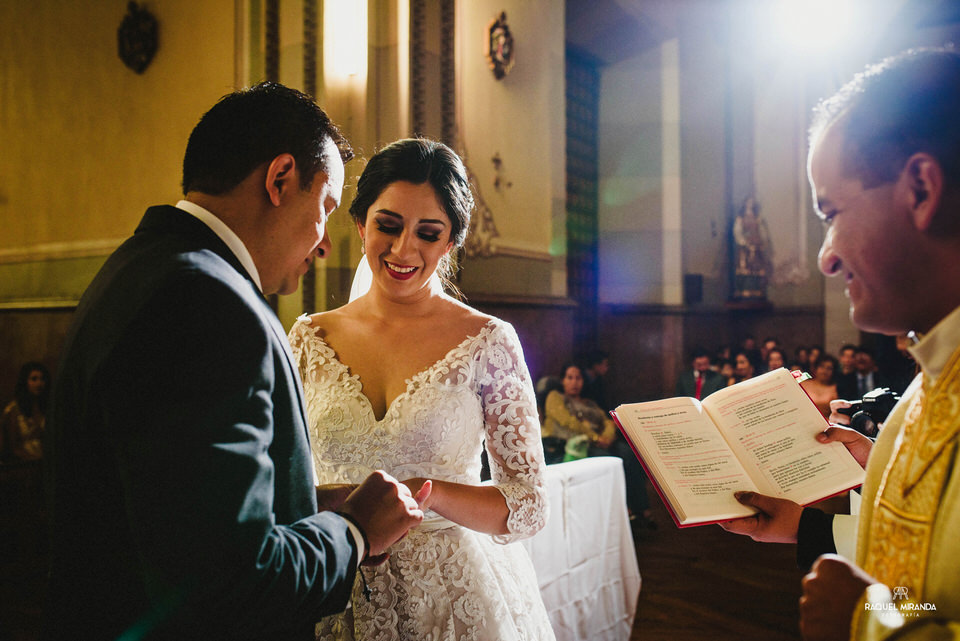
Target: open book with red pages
757 435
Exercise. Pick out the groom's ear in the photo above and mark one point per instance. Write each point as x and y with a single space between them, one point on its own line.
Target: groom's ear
281 178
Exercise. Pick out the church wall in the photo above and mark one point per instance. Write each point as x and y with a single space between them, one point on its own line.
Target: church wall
87 145
519 120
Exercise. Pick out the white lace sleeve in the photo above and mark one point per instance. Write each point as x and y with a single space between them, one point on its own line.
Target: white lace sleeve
514 448
295 338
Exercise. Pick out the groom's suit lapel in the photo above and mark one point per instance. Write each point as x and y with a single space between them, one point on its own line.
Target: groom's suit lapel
170 219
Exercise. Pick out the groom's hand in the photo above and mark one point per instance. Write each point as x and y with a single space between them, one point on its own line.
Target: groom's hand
384 509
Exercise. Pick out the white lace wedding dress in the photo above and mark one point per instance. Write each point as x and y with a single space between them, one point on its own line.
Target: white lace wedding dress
443 581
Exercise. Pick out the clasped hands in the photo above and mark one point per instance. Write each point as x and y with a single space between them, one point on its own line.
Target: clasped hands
382 506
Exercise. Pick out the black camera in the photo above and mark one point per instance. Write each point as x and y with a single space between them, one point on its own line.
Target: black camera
867 413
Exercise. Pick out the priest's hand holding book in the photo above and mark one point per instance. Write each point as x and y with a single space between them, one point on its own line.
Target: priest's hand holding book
777 520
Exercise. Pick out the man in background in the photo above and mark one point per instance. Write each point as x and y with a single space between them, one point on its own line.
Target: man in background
700 380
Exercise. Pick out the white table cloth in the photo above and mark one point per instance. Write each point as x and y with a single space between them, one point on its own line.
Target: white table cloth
584 556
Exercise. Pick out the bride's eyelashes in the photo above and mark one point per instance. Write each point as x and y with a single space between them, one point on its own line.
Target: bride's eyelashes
394 230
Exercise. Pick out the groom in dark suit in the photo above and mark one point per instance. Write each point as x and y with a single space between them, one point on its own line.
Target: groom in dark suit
182 500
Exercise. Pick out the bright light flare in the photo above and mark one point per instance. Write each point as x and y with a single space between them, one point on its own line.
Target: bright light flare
822 27
344 40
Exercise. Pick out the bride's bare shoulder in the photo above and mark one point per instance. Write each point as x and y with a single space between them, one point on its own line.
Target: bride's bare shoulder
470 319
325 323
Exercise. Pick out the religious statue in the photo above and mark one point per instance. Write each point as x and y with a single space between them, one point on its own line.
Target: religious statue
752 253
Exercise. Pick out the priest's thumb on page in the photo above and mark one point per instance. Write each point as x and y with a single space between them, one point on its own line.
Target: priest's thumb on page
776 522
856 443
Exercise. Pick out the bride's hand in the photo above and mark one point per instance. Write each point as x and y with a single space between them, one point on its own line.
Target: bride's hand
422 491
330 497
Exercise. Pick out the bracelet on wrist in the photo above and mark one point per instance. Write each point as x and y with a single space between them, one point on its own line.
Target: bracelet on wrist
366 551
363 534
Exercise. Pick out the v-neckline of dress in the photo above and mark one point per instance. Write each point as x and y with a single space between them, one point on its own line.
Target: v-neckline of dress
408 382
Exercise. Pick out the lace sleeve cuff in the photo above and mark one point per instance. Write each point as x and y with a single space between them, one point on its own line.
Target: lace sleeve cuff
528 510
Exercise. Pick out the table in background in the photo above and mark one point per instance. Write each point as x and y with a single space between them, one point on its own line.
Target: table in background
584 556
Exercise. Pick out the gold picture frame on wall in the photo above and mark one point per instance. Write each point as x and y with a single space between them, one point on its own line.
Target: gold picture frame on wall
499 46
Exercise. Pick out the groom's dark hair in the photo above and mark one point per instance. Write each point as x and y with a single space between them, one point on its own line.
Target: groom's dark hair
253 126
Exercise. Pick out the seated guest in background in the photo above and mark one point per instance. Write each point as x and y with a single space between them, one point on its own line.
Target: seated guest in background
822 388
745 365
700 380
776 358
597 366
866 376
727 372
847 359
846 374
813 353
801 355
724 353
769 343
570 415
24 419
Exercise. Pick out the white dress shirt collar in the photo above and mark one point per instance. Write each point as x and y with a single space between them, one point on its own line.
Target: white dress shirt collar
225 234
935 348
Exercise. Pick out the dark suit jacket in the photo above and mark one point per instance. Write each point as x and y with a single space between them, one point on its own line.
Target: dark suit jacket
179 468
687 385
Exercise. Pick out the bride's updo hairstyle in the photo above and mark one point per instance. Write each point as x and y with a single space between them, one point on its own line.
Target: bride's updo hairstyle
419 161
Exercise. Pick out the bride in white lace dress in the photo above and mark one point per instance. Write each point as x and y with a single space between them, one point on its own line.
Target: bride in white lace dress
411 381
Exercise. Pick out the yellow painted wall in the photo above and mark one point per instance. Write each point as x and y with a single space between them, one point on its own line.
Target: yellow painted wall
521 119
86 144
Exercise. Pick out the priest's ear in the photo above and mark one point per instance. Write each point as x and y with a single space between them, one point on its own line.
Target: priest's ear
923 183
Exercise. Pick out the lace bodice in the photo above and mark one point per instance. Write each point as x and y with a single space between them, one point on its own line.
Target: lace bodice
442 582
479 392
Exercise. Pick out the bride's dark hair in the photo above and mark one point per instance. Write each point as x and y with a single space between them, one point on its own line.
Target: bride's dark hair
419 161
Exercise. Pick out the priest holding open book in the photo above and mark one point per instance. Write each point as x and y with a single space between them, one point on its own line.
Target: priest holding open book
884 165
758 435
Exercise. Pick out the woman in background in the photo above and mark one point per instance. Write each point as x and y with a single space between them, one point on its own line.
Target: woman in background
569 415
744 365
776 358
24 419
822 388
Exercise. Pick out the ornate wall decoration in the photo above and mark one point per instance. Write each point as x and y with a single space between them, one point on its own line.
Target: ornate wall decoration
137 38
499 53
500 181
482 229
